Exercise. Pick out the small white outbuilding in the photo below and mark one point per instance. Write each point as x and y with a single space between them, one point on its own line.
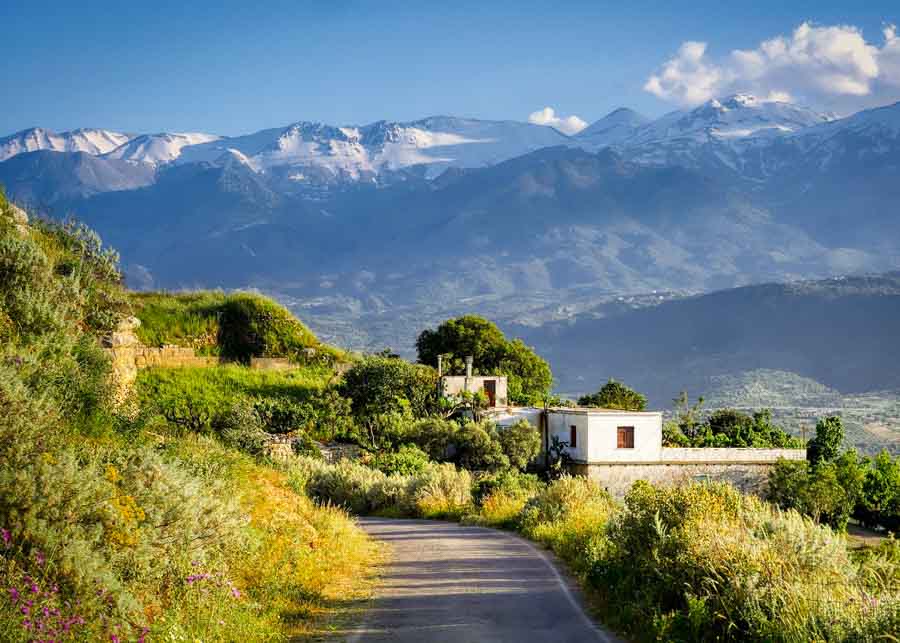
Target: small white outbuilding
605 435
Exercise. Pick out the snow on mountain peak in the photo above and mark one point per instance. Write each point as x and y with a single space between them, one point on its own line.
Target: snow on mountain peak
160 148
89 141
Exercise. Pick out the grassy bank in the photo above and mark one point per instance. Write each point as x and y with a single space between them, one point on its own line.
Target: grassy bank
118 524
700 562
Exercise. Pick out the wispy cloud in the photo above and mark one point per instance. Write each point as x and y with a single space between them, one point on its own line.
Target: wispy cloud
565 124
827 65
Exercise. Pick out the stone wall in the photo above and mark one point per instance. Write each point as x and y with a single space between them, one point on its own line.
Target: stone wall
171 356
271 363
746 469
128 355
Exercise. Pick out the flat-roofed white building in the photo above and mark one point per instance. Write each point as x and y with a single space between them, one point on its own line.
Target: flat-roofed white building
616 448
605 435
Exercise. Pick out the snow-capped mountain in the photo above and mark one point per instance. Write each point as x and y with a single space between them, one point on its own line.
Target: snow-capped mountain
616 127
90 141
740 136
309 153
870 133
157 149
725 134
740 117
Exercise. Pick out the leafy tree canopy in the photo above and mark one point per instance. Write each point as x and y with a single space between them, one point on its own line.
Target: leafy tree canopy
615 395
379 385
826 446
528 374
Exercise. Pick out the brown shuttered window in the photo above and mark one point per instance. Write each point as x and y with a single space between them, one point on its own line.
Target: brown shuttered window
625 437
573 437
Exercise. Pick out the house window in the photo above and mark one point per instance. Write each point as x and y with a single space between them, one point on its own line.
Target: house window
573 436
625 437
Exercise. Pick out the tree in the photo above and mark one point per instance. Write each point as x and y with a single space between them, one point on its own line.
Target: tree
521 443
687 416
477 448
529 375
827 443
615 395
383 389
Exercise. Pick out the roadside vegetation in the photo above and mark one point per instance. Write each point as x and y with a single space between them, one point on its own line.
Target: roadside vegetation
698 562
116 524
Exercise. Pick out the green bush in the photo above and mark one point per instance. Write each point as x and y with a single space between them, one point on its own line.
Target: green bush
521 443
255 326
380 385
407 460
615 395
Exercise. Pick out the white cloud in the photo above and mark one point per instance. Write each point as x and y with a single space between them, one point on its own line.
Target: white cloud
566 125
826 65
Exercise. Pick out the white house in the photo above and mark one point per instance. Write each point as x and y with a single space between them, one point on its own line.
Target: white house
604 435
616 448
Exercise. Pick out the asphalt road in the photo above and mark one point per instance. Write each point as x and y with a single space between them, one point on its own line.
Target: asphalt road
451 583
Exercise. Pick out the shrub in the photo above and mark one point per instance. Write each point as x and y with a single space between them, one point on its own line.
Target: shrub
615 395
478 448
380 385
241 427
880 504
703 561
408 460
442 491
521 443
570 517
254 326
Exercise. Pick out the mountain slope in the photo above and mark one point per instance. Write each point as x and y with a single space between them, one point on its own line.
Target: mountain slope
45 177
839 332
615 128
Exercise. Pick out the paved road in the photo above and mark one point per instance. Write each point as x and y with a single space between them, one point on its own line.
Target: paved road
455 584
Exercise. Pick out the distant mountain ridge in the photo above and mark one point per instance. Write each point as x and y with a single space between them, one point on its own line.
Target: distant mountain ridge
448 213
729 134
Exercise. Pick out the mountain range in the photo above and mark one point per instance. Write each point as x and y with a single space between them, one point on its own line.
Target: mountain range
373 232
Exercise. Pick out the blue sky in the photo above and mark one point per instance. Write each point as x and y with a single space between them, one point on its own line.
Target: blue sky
235 67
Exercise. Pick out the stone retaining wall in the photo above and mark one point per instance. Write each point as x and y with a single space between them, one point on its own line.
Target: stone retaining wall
746 469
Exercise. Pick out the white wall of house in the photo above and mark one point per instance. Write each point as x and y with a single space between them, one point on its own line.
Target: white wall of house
561 422
597 434
604 431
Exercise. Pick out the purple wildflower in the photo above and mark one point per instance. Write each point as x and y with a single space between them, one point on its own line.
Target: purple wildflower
235 592
13 594
39 557
6 534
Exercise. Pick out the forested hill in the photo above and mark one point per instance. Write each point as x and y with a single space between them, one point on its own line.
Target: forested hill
839 332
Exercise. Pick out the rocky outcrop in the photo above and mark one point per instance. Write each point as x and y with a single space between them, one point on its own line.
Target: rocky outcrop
18 216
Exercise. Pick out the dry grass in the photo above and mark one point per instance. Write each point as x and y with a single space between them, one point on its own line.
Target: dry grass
311 564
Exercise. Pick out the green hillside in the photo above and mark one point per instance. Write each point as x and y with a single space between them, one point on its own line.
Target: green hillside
118 521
